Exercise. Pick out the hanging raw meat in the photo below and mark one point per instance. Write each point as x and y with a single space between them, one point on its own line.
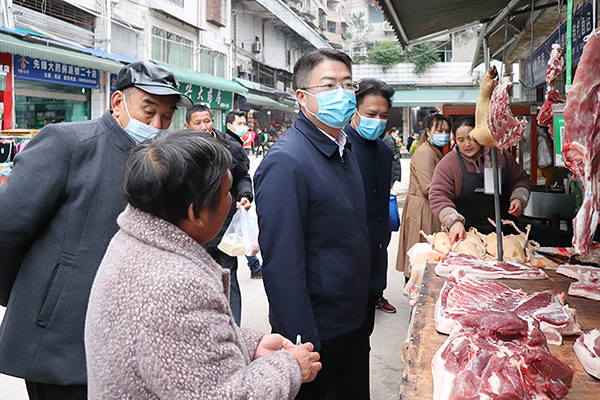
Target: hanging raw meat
506 129
556 65
581 145
481 133
498 355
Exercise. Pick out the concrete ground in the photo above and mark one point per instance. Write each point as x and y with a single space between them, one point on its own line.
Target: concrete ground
386 341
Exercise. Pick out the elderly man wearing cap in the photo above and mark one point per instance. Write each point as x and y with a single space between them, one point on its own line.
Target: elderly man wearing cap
58 212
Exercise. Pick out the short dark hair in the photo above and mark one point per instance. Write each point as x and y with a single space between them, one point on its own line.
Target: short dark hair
305 64
230 118
195 109
373 87
166 174
432 123
463 121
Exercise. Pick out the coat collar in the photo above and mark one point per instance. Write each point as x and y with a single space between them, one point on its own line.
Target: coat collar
316 137
355 137
117 134
161 234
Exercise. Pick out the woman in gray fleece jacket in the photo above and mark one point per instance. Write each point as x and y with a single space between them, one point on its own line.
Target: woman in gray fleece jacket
159 325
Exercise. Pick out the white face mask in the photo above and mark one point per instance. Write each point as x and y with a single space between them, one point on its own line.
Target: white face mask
138 130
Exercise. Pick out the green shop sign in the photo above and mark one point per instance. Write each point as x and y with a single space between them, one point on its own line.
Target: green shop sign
214 98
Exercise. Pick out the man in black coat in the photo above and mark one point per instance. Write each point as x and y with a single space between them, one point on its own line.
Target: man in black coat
373 101
58 211
200 118
313 231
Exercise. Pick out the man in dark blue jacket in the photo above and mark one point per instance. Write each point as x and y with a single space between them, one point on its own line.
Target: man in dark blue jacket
313 230
373 100
59 211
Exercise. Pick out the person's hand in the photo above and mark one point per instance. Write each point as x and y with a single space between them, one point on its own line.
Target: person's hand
244 202
516 208
457 232
270 343
308 359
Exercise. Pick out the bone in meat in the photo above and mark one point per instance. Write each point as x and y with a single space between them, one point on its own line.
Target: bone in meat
505 128
556 64
481 133
581 146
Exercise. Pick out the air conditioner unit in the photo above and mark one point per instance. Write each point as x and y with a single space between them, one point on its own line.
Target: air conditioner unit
256 47
387 27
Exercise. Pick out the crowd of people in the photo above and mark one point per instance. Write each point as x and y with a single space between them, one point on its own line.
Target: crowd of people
111 274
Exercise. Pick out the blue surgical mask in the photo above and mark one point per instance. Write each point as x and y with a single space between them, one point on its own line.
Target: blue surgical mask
241 130
336 107
138 130
371 128
440 139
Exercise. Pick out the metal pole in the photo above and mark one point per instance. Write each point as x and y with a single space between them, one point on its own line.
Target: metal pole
494 156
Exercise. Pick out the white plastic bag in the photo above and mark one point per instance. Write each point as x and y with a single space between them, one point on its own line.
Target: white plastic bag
241 237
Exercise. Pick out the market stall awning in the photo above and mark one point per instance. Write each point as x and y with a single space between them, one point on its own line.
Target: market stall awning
13 45
433 97
265 102
204 80
414 20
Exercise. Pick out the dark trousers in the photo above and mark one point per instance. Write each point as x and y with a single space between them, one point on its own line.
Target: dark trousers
235 296
253 263
370 318
345 372
45 391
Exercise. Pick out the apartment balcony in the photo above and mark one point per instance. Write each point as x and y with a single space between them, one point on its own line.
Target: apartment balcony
294 21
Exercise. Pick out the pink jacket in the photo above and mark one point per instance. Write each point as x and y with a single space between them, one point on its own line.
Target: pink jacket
446 184
159 325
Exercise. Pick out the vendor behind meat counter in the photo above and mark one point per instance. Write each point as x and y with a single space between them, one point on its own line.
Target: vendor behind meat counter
457 195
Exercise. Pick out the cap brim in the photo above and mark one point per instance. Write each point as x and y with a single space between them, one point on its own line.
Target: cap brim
184 100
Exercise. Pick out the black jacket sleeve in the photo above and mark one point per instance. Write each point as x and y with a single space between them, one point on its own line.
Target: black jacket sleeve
29 198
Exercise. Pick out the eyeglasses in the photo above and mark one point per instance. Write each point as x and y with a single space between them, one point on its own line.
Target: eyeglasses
333 86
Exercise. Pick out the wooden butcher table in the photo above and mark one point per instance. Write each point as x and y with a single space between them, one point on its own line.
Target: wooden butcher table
417 380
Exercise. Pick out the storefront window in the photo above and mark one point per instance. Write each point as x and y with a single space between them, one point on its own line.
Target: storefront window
39 104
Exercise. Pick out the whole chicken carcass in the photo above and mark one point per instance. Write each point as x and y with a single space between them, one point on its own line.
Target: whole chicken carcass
469 248
439 241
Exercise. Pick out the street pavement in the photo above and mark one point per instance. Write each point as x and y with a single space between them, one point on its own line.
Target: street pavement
387 339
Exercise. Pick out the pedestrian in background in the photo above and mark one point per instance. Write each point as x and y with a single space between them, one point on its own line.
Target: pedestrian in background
200 117
313 235
416 214
58 210
159 325
373 101
392 144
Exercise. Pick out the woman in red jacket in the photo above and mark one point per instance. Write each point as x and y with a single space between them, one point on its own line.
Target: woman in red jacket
457 190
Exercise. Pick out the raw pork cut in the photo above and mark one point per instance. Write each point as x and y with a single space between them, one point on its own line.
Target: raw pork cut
581 144
588 284
556 65
481 133
505 128
486 269
587 349
497 355
465 294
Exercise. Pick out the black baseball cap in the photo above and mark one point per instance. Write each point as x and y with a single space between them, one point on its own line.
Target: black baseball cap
151 78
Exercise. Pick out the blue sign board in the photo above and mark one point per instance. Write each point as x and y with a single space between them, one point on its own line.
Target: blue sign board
38 70
113 83
534 66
